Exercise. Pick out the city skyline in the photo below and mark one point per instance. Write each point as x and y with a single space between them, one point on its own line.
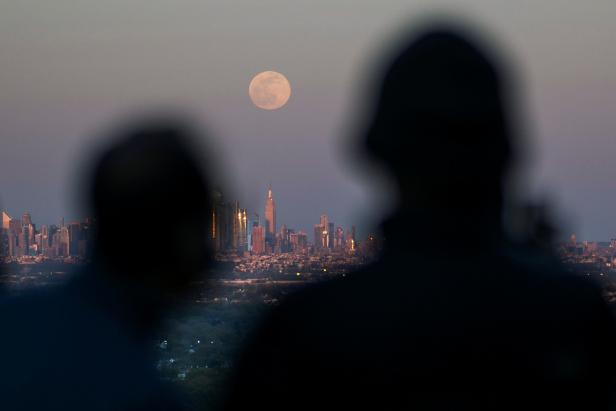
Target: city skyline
255 212
231 230
238 229
20 237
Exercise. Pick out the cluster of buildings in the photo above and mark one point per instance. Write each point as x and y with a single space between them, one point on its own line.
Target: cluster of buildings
234 231
328 237
595 259
598 254
20 237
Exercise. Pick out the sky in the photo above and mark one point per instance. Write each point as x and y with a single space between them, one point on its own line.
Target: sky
69 70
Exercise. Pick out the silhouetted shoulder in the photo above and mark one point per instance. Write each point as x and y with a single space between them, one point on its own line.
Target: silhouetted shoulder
393 329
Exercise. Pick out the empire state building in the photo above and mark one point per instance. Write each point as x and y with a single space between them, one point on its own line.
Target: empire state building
270 216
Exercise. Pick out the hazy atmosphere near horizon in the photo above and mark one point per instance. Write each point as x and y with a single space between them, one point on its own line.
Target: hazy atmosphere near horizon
72 69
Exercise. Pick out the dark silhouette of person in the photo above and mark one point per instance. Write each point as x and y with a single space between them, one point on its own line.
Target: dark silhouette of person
90 345
452 315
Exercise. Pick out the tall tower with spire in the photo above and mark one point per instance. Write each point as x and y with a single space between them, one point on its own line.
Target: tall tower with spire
270 215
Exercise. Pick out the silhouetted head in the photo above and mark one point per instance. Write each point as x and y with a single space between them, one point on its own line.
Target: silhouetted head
151 202
440 126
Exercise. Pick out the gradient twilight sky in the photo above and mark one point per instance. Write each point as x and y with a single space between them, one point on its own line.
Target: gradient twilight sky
70 69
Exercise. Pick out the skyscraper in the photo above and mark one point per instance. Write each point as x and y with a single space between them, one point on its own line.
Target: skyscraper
5 235
14 233
26 219
327 232
324 221
258 239
64 244
240 227
270 217
6 221
298 241
24 241
339 238
350 239
224 220
236 226
284 238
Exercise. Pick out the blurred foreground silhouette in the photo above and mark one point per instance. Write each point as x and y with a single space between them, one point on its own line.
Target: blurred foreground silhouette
88 346
453 315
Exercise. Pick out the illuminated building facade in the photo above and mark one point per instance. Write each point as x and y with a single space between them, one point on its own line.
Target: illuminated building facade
258 239
270 218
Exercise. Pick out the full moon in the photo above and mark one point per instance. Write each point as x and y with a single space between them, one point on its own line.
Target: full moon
269 90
